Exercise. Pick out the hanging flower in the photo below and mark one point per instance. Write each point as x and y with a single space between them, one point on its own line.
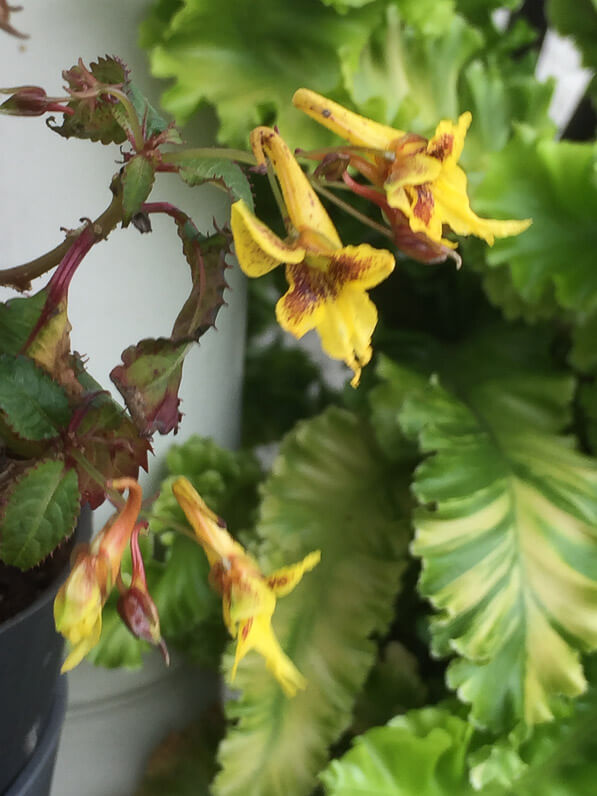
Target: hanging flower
418 177
328 281
96 569
248 596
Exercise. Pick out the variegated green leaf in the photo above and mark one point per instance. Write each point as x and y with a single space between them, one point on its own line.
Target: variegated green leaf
327 492
507 531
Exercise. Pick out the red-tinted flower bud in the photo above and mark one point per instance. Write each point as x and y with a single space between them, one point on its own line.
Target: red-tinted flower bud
25 101
139 613
135 606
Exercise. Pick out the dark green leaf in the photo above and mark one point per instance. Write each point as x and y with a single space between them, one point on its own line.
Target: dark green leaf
247 61
40 509
17 319
219 170
32 405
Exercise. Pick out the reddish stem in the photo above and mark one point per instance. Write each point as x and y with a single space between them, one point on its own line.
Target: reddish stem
59 283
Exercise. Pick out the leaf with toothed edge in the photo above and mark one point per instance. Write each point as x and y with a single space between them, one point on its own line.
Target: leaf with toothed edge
32 405
149 376
218 170
148 380
108 439
40 508
94 118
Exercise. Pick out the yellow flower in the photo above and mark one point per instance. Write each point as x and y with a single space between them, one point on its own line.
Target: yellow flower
81 598
248 596
421 178
78 605
328 281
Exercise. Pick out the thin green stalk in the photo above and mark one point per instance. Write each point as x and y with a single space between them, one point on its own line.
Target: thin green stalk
239 155
351 210
20 276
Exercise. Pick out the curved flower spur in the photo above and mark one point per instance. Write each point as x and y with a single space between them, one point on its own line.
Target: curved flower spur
416 181
328 281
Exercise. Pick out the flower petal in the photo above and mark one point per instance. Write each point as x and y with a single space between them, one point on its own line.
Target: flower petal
258 634
213 536
300 308
448 140
354 128
283 580
413 170
304 208
258 249
346 327
361 265
453 206
83 646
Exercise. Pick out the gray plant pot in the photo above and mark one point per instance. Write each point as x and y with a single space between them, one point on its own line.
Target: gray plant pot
30 660
36 778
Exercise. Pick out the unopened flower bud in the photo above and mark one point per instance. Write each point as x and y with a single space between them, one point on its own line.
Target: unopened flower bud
25 101
139 613
332 166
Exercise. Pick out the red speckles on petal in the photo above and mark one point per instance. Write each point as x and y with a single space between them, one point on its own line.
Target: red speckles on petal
309 287
424 204
246 628
441 146
277 582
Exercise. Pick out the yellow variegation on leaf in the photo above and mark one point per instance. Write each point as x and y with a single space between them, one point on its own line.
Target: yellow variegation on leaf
248 596
420 177
327 281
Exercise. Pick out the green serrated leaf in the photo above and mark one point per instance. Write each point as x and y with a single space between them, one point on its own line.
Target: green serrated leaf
555 184
227 480
137 181
39 511
507 530
248 60
420 754
326 492
409 79
220 170
94 118
17 319
32 405
109 441
148 380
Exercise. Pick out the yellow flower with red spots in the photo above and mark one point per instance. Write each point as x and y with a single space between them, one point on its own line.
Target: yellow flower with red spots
327 281
418 177
248 596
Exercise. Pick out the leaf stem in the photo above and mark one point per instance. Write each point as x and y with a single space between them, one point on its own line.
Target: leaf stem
351 210
20 276
209 152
